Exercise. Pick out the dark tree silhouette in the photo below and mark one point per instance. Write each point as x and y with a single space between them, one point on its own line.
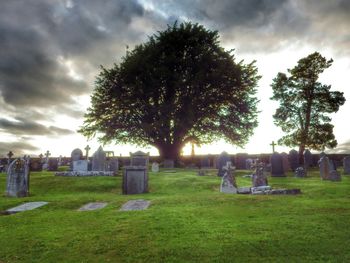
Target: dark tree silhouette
178 87
305 104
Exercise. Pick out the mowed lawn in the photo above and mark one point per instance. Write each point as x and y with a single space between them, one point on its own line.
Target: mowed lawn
189 220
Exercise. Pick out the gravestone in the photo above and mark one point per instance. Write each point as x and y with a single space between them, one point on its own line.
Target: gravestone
155 167
324 168
332 165
99 160
35 165
168 163
276 162
285 162
52 164
18 178
113 165
92 206
300 172
334 176
221 162
307 159
26 207
139 159
134 205
346 165
76 155
293 158
240 160
135 180
259 178
205 162
80 166
228 181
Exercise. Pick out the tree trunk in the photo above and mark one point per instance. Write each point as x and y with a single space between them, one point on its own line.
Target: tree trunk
301 154
169 151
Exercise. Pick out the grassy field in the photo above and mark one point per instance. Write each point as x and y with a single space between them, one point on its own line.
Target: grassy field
188 221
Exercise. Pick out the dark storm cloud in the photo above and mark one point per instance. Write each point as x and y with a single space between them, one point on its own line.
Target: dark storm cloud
343 148
18 148
26 127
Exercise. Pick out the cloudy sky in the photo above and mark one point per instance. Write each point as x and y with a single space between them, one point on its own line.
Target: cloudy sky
51 52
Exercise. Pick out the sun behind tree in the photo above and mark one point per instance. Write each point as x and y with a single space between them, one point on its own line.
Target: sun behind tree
178 87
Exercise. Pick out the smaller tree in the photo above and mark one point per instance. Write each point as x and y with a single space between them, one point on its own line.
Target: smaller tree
305 105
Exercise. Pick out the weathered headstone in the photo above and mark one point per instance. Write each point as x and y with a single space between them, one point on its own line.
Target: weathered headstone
249 164
276 165
228 181
99 160
80 166
221 162
307 159
300 172
168 163
324 168
293 158
18 178
76 155
155 167
139 159
113 165
240 160
133 205
332 165
135 180
285 162
259 177
346 165
205 162
26 207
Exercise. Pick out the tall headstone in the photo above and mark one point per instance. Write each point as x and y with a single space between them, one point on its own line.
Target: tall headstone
324 167
52 164
139 159
80 166
293 158
276 162
76 155
222 161
285 161
307 159
99 160
228 181
18 178
259 177
135 180
346 165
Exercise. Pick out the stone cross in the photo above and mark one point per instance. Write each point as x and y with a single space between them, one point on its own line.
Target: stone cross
41 156
47 154
9 155
87 149
273 144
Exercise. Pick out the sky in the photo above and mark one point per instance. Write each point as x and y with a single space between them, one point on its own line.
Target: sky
51 52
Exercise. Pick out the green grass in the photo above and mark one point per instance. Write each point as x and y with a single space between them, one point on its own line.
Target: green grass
188 221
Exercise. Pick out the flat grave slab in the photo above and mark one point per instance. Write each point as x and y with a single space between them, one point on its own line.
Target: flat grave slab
92 206
133 205
26 207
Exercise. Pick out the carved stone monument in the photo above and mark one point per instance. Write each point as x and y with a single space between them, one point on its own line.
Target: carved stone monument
228 181
99 160
18 178
135 180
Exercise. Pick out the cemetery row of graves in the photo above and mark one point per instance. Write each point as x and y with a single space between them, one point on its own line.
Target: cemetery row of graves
135 171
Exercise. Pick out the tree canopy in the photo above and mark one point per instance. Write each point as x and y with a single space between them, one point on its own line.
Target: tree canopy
180 86
305 105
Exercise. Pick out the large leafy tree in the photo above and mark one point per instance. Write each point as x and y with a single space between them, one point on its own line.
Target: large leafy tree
178 87
305 105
